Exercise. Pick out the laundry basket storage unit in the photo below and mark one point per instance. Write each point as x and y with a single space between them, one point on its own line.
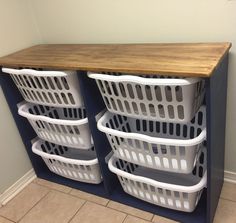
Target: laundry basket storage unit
175 191
79 165
64 126
52 88
151 97
165 146
154 95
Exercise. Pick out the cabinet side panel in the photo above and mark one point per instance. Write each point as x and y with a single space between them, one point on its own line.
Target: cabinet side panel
216 97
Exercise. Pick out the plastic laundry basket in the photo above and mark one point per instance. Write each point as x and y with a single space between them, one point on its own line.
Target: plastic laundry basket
77 165
53 88
175 191
159 145
64 126
165 99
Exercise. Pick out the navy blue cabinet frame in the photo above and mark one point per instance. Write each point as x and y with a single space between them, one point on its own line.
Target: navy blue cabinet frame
216 96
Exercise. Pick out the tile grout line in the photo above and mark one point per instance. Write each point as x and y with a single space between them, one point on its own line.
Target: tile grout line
89 200
152 218
54 188
69 193
226 199
8 219
124 218
110 209
149 221
77 211
130 213
108 203
34 206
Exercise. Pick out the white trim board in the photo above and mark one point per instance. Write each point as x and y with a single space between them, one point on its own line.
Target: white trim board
17 187
230 177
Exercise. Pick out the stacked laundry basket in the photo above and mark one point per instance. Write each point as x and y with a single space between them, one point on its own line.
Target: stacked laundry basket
56 112
156 126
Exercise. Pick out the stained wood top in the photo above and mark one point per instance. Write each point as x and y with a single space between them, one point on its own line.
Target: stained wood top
184 59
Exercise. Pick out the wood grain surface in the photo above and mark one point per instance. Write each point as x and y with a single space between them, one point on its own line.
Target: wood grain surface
179 59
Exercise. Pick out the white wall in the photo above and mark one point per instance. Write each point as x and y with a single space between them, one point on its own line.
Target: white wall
133 21
18 31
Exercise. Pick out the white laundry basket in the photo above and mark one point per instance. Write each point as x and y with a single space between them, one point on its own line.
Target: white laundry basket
175 191
165 146
53 88
64 126
152 98
77 165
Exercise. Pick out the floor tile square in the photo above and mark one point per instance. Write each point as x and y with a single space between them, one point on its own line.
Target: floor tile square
55 207
94 213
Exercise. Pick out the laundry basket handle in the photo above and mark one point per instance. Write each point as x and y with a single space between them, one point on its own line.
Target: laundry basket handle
36 73
23 111
61 158
155 183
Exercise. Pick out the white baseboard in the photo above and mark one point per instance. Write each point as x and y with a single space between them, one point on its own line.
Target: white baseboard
230 177
17 187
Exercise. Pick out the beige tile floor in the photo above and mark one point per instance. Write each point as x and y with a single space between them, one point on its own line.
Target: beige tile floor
46 202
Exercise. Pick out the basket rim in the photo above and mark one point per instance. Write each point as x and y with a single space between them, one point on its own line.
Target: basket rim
37 73
167 186
150 139
36 150
143 80
25 105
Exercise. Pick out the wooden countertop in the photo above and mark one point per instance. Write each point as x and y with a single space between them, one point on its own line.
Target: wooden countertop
183 59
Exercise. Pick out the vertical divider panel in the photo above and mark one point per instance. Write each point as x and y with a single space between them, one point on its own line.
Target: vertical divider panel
94 105
216 97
